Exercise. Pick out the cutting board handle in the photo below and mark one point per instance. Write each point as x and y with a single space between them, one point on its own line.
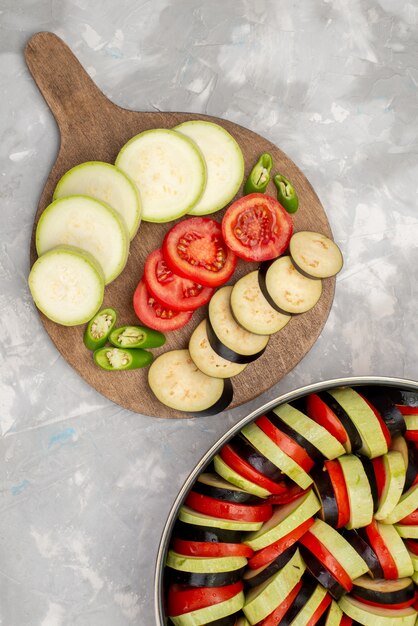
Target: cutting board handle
77 104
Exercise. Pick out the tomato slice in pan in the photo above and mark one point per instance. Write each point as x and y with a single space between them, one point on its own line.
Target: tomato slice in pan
183 599
386 560
380 474
207 548
323 415
285 443
412 546
407 410
291 493
269 553
257 227
327 559
277 615
339 486
383 426
229 510
247 471
320 610
195 249
411 435
154 314
400 605
411 519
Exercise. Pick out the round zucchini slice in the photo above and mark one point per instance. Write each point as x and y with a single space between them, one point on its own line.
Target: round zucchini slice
224 162
169 171
107 183
315 255
179 384
67 285
207 360
88 224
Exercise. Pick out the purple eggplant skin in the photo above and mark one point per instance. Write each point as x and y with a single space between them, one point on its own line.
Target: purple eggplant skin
404 397
371 477
226 495
224 621
359 541
325 491
396 596
207 534
192 579
386 408
258 461
309 585
322 575
269 570
342 415
310 449
412 469
226 353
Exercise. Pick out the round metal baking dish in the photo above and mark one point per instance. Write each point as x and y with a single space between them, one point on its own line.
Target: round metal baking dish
287 397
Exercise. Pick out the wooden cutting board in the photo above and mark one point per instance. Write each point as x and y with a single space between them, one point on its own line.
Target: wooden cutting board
93 128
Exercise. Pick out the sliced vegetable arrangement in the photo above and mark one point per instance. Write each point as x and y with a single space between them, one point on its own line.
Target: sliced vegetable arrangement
302 521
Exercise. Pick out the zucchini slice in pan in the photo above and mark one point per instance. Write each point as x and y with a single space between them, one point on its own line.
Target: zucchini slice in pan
210 614
373 615
359 491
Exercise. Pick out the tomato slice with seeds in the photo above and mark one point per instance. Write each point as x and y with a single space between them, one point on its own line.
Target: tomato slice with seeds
195 249
257 227
170 289
154 314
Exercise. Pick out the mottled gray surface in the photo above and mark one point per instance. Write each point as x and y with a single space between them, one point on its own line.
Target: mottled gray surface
86 486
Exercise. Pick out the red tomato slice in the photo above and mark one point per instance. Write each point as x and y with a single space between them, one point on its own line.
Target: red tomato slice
323 415
407 410
247 471
411 519
285 443
411 435
229 510
269 553
257 227
183 599
207 548
327 559
400 605
287 496
320 610
389 568
339 486
380 474
382 423
346 621
412 546
277 615
154 314
172 290
195 249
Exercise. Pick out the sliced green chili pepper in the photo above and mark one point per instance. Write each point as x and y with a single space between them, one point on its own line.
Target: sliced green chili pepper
99 328
259 176
115 359
286 193
136 337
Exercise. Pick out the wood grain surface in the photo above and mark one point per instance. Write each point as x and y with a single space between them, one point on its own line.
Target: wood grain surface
93 128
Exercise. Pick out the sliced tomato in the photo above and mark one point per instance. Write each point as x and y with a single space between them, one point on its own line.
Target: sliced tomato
285 443
291 493
326 601
380 474
386 561
346 621
183 599
229 510
411 435
247 471
208 548
400 605
411 519
195 249
172 290
412 546
323 415
271 552
154 314
257 227
407 410
277 615
385 429
339 486
327 559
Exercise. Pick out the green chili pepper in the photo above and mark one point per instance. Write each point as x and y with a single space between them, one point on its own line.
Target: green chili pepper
136 337
260 175
286 193
115 359
99 328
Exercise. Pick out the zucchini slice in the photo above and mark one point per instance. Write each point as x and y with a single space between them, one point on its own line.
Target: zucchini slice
407 504
316 434
339 547
214 486
315 255
254 577
207 360
88 224
169 171
107 183
397 549
67 285
383 591
286 289
364 419
252 311
394 481
359 492
227 338
400 444
233 477
204 565
263 599
188 515
178 383
210 613
285 519
373 615
406 531
273 453
224 162
334 615
319 598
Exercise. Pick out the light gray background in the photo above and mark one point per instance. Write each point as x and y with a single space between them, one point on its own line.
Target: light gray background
86 486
